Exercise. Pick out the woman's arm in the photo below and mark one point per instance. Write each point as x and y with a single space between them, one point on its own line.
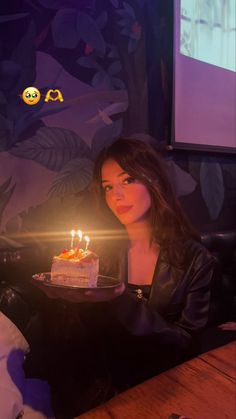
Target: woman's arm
139 320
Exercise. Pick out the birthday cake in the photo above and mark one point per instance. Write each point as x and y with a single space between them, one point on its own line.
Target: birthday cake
75 267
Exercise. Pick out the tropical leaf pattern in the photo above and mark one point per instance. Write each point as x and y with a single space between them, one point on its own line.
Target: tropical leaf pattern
130 26
57 4
24 55
73 178
115 3
212 186
52 148
105 136
100 45
89 31
9 18
65 22
184 183
6 191
101 20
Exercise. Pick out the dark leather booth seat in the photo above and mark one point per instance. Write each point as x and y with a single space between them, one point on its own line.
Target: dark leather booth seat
222 244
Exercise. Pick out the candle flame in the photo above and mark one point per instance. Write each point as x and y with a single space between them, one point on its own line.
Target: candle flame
80 235
87 239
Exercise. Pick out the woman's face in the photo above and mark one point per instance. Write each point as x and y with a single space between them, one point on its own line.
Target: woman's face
127 198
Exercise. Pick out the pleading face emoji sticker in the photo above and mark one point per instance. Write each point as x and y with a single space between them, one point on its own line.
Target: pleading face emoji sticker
31 96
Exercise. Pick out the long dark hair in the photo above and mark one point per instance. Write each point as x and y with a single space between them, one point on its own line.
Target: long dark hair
144 163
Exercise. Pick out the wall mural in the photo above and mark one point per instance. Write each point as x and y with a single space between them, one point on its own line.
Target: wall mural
94 53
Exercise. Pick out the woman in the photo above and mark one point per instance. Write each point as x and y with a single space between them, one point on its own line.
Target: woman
166 275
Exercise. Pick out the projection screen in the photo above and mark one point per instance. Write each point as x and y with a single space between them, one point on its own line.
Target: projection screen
204 93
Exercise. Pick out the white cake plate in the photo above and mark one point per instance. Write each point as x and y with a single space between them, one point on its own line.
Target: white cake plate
104 282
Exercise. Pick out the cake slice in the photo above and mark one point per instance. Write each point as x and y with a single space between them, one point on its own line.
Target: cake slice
75 267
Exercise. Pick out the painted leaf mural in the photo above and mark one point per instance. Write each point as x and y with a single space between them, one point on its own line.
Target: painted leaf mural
57 4
212 187
8 18
113 109
129 26
25 56
88 62
101 81
184 183
31 182
6 191
101 20
115 3
115 68
106 136
10 72
129 9
194 168
64 29
132 45
100 55
5 132
118 83
73 178
89 31
52 147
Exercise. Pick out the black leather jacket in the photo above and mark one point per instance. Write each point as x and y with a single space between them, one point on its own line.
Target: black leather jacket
178 306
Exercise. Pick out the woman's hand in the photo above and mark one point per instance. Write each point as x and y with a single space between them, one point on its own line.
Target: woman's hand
93 295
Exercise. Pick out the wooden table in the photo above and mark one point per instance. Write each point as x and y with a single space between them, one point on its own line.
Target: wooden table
223 359
202 388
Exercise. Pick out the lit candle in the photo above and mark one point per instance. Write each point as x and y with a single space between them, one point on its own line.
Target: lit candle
80 235
87 240
72 238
